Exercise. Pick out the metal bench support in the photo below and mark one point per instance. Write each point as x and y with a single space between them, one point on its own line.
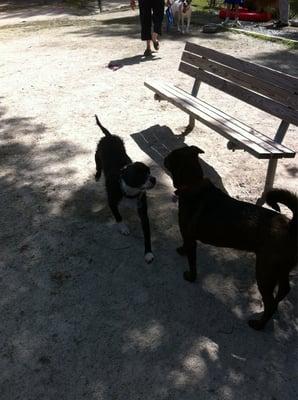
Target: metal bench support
194 92
280 134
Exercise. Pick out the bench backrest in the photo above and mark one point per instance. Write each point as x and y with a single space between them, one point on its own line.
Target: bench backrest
269 90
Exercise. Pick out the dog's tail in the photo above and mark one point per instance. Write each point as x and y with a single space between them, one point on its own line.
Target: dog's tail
287 198
105 131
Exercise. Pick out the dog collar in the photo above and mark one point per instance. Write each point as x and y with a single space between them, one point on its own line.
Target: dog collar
129 192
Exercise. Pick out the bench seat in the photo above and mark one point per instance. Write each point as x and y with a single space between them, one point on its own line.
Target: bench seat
245 137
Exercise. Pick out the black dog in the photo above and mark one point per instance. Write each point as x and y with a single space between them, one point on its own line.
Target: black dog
124 179
211 216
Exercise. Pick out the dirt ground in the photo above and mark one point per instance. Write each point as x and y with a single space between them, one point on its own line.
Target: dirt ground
83 317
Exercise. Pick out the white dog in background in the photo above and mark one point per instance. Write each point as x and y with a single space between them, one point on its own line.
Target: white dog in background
181 9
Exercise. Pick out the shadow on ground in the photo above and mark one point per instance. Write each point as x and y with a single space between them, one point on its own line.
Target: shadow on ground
288 61
158 141
130 26
84 317
26 9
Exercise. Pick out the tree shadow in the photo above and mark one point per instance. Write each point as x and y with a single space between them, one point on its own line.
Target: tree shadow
161 337
84 317
287 61
26 9
130 26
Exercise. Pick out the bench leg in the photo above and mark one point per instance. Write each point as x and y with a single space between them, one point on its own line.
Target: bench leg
269 180
280 134
194 92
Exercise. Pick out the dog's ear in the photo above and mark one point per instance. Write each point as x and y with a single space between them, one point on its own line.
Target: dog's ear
196 150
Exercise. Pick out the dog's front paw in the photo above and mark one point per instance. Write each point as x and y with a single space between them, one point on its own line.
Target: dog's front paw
189 276
181 251
256 324
123 229
149 257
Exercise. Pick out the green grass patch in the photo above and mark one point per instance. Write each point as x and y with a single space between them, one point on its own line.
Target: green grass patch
200 5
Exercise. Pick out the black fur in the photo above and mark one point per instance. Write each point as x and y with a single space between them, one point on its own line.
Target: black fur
213 217
112 159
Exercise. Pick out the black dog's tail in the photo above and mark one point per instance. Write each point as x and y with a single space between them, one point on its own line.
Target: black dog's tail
105 131
287 198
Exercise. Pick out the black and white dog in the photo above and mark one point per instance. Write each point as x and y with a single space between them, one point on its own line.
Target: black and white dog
124 179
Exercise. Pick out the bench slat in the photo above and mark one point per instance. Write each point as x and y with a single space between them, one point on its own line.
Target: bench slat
252 141
217 114
281 95
254 99
274 77
248 134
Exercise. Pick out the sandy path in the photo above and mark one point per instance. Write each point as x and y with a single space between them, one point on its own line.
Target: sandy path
83 316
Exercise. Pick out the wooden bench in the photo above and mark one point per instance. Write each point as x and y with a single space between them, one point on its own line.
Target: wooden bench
271 91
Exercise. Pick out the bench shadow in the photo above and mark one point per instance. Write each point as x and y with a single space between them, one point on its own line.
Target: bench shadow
158 141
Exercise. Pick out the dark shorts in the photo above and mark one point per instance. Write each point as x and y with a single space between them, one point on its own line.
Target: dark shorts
151 13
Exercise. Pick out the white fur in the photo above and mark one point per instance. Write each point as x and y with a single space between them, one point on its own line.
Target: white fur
128 190
131 191
179 15
149 257
123 228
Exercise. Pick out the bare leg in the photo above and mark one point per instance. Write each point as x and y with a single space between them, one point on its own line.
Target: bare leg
155 40
148 51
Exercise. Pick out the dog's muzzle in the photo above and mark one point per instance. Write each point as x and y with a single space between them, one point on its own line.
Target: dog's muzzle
185 6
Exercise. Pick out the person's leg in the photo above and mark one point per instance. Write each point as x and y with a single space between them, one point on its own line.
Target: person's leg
157 17
228 11
237 22
145 18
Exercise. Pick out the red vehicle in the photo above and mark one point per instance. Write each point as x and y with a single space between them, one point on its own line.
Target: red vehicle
246 15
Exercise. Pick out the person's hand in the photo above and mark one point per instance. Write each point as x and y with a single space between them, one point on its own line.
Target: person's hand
133 4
